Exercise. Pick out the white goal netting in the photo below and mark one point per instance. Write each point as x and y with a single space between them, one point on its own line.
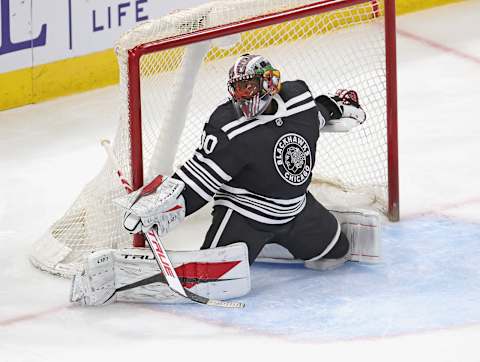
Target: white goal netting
180 87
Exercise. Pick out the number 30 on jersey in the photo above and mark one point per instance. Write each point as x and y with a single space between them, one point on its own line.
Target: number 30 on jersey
207 143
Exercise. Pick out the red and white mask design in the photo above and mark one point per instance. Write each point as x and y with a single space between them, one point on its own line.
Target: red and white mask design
252 83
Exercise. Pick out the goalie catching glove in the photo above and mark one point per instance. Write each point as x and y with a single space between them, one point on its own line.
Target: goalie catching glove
158 203
344 111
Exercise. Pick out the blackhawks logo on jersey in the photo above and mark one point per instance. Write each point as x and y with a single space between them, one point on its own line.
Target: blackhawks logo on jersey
292 158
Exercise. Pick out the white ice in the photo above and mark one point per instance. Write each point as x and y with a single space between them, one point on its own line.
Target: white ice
422 303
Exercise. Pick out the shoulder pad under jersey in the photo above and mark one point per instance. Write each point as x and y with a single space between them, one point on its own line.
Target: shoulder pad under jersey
223 114
292 89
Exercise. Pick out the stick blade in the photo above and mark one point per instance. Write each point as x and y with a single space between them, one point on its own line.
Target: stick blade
225 304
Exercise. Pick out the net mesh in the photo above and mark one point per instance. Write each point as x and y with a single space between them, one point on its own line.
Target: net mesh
180 87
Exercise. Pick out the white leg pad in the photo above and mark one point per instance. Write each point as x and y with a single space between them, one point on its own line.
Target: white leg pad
362 228
95 285
218 273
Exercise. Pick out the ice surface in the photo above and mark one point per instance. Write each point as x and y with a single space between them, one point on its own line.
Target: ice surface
422 303
428 279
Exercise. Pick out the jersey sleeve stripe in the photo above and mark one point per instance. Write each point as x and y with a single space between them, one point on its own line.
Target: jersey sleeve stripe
207 175
252 215
198 178
194 186
217 169
205 170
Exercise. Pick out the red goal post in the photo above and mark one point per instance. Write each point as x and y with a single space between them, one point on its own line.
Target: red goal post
173 73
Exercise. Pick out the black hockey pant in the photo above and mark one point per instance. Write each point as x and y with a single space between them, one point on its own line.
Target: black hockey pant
305 237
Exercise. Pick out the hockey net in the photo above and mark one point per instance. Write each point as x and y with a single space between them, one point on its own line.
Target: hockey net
173 73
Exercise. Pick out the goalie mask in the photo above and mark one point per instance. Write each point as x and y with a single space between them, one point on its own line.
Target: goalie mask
252 82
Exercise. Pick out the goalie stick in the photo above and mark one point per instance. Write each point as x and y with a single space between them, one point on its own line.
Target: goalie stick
156 245
156 278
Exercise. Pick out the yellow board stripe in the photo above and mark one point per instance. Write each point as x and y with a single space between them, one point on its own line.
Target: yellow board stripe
73 75
408 6
16 88
68 76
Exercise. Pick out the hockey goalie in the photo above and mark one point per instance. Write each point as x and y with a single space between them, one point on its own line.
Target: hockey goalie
255 161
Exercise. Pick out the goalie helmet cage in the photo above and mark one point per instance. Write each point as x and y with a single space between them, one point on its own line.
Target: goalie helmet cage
173 73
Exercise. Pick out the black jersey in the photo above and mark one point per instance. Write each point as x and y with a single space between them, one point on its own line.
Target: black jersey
261 167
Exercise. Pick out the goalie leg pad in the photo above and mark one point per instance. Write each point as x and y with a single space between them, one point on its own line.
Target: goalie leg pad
362 229
95 285
218 273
